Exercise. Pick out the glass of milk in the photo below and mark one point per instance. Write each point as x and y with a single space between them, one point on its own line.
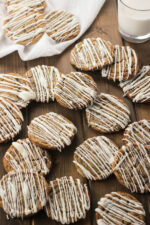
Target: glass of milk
134 20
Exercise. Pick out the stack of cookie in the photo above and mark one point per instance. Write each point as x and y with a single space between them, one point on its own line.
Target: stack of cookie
26 22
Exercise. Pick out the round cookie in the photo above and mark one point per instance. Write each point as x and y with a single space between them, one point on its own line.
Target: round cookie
108 114
137 132
16 88
119 208
125 66
24 27
52 131
24 155
92 54
138 89
15 5
75 90
93 158
68 200
23 193
43 79
10 120
131 167
62 25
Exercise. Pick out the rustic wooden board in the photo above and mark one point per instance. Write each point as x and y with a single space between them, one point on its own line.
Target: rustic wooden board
105 26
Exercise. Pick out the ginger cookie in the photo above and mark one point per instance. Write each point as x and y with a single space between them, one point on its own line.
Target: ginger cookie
16 88
24 155
92 54
131 167
108 114
15 5
137 132
23 193
24 27
93 158
62 25
43 79
52 131
138 89
125 66
75 90
68 200
119 208
11 120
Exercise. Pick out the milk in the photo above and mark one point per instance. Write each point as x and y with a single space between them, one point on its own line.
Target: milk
134 18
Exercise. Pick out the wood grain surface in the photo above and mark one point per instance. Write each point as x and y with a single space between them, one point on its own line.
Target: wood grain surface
105 26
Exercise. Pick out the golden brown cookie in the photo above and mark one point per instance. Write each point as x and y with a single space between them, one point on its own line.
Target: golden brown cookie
68 200
10 120
24 27
75 90
126 64
24 155
52 131
93 158
138 88
62 25
119 208
23 193
44 79
137 132
16 88
92 54
131 167
108 114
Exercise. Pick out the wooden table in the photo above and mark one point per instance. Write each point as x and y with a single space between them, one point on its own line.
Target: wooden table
105 26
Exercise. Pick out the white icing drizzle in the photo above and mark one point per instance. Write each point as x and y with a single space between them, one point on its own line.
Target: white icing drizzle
94 157
22 193
138 132
24 26
16 88
92 54
125 59
45 79
68 201
133 166
62 25
117 207
75 90
53 130
138 89
11 120
26 155
108 113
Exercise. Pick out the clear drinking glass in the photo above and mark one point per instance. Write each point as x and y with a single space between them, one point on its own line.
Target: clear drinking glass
134 20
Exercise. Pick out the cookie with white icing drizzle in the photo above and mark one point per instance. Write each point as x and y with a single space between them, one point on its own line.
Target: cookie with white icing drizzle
24 155
92 54
44 79
119 208
15 5
16 88
108 114
137 132
68 200
52 131
131 167
62 25
25 26
93 158
23 193
11 120
138 88
75 90
125 66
